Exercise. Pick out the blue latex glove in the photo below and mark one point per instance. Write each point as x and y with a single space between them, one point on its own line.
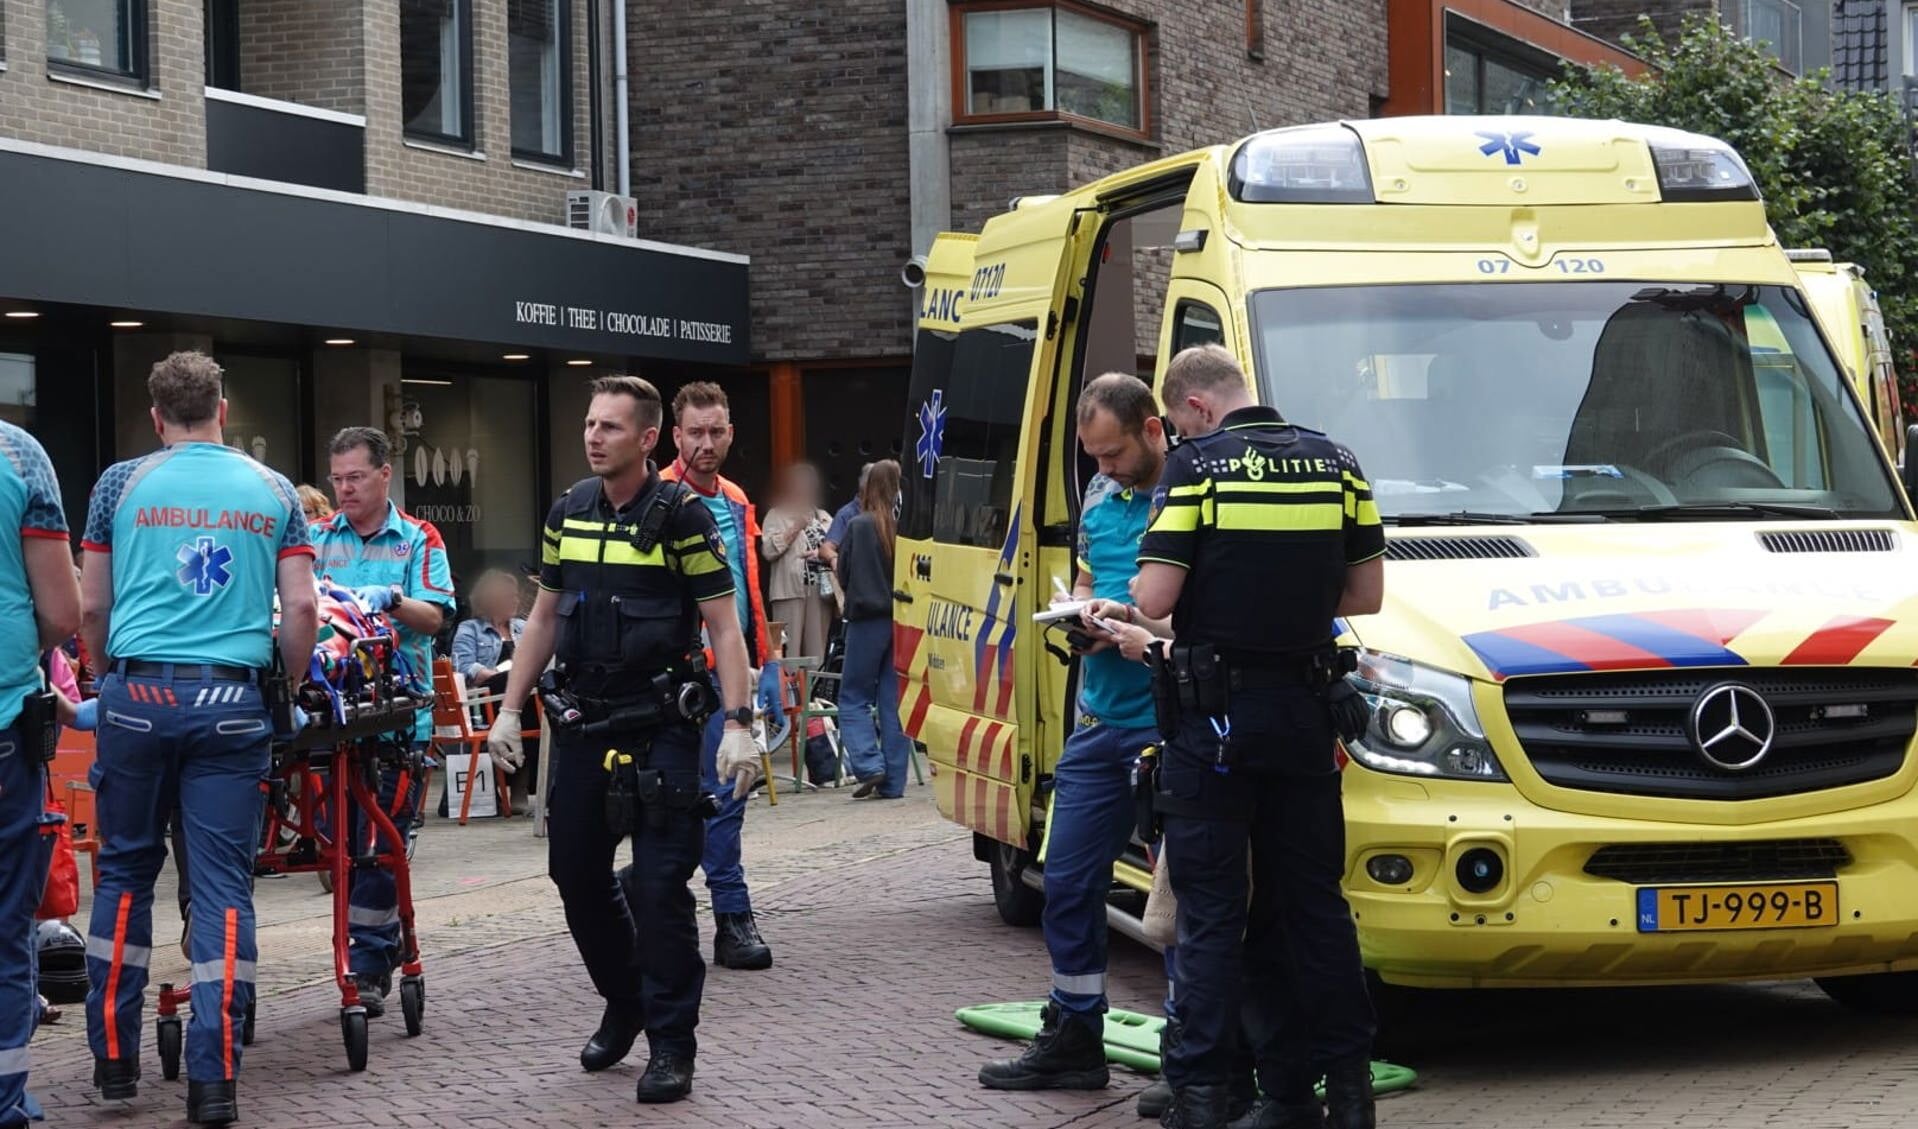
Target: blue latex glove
88 715
300 721
376 597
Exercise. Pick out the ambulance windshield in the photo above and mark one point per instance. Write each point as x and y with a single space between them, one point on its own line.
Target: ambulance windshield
1619 400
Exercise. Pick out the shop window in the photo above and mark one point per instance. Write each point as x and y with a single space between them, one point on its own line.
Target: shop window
539 55
18 389
467 465
98 36
436 69
1486 76
258 393
1049 62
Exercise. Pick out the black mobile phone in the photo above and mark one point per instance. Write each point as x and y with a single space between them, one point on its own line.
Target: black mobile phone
1079 640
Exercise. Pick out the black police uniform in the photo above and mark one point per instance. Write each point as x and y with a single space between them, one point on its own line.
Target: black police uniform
1266 517
627 616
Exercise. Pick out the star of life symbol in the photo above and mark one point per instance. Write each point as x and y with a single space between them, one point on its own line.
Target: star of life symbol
203 565
1515 147
932 433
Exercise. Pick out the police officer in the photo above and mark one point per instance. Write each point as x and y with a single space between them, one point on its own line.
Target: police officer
39 609
1263 532
630 567
185 549
395 563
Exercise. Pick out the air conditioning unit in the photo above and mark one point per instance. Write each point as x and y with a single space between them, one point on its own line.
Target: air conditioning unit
604 212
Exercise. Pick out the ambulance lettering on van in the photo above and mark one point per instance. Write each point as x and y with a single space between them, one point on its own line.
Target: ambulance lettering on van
1625 480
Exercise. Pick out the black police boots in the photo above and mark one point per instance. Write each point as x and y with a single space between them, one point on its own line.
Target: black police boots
1068 1054
117 1079
611 1043
1154 1098
737 943
212 1103
1199 1107
1270 1113
668 1077
1348 1097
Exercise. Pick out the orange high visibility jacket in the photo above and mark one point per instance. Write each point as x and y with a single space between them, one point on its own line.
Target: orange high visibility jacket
747 518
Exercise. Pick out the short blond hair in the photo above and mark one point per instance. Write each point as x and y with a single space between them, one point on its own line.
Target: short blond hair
1202 368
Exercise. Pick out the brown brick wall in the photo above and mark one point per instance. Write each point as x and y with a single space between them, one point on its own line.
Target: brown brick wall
780 131
1613 19
494 185
170 128
300 51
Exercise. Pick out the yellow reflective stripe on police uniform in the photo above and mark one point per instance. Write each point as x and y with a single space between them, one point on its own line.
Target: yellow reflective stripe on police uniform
614 550
1234 516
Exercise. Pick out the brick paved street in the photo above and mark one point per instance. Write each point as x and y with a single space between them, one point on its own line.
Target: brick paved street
883 924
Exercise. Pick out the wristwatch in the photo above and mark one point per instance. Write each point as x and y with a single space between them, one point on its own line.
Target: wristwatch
743 715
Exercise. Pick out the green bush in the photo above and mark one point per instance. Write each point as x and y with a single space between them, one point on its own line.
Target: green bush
1835 167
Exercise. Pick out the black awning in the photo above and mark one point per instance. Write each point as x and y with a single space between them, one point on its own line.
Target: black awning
94 233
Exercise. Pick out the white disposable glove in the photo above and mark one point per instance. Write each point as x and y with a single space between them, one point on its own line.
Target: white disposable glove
738 761
504 742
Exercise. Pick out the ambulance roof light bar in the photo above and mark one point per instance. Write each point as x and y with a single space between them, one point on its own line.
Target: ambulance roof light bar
1696 169
1318 164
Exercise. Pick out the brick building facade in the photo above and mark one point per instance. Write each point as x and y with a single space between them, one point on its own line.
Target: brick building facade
360 208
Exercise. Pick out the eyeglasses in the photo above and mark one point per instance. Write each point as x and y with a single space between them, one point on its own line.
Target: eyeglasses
355 479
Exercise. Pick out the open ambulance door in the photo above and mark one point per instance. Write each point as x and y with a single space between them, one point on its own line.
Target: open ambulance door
966 585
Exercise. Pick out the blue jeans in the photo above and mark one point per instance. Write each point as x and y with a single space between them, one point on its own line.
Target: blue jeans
23 874
721 859
373 903
1092 820
201 744
881 748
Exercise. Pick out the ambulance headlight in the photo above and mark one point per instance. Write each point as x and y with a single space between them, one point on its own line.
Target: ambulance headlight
1693 168
1319 164
1423 722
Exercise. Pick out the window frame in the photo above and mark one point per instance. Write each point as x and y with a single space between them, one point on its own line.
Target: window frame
467 138
139 70
1142 37
563 32
1485 44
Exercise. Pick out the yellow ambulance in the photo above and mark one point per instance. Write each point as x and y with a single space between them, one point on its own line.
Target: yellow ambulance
1847 308
1643 687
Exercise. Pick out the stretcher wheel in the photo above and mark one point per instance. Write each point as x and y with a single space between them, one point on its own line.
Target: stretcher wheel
167 1038
353 1031
246 1029
413 1003
326 880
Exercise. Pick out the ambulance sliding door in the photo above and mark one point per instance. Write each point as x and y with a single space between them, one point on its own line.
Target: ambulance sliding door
963 636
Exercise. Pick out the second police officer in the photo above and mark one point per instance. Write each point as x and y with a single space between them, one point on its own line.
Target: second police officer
185 549
1263 532
630 567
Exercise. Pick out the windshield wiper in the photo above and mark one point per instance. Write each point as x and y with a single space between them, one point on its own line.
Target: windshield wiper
1472 517
1730 509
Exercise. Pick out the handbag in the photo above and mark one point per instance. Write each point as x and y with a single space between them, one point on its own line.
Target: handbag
61 897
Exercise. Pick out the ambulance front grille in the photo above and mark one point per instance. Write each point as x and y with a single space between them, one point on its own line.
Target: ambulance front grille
1627 733
1769 860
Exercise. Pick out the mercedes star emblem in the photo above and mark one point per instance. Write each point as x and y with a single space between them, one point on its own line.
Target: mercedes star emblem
1732 727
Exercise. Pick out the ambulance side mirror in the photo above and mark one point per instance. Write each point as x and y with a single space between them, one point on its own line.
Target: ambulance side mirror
1910 465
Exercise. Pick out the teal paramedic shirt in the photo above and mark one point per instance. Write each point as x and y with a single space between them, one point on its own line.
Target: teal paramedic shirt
1116 690
29 503
196 532
405 551
729 533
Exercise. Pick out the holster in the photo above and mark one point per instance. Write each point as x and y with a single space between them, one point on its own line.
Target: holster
1165 693
39 725
1203 679
1145 791
626 774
